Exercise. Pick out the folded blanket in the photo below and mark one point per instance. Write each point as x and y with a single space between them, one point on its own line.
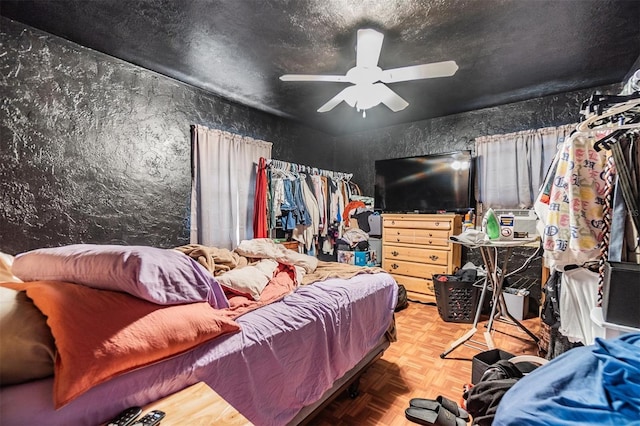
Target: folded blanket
326 270
216 260
266 248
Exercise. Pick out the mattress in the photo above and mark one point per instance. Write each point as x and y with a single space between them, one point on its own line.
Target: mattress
285 357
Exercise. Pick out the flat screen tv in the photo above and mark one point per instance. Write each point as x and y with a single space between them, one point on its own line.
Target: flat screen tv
425 184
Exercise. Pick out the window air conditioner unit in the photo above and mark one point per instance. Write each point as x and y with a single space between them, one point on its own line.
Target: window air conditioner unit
525 220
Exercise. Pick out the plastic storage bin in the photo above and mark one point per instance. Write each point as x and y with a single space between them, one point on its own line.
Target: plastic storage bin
517 302
483 360
457 301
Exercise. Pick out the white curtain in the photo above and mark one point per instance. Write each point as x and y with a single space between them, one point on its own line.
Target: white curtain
511 167
223 186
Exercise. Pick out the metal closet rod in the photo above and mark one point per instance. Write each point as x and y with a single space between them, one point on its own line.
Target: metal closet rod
287 166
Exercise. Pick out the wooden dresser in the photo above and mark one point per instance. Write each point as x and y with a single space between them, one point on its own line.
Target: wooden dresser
416 246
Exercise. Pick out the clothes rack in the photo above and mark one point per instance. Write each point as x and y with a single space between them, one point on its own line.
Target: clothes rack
306 203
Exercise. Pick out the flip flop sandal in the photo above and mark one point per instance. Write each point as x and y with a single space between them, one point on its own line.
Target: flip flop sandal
439 417
431 404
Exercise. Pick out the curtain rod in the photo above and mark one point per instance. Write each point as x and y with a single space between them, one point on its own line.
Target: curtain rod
287 166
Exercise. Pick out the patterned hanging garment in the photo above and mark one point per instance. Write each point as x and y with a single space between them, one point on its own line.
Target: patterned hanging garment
609 179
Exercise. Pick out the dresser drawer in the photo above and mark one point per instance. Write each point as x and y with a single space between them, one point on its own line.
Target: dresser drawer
407 222
415 285
414 254
417 236
412 269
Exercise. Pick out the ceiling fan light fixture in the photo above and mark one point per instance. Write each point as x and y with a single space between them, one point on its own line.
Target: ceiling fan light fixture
366 96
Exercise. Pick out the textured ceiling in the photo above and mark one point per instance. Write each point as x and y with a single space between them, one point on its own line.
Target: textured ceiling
507 50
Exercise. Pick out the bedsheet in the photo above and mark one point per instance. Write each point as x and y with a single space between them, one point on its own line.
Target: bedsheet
286 356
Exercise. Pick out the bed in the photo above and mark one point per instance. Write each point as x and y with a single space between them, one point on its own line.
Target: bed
277 359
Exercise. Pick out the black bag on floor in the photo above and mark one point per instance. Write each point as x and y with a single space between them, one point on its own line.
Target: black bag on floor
402 298
485 396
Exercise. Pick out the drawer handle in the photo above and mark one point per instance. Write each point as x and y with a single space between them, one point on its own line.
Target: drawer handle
437 223
395 253
398 240
393 222
398 233
394 266
430 234
430 242
433 257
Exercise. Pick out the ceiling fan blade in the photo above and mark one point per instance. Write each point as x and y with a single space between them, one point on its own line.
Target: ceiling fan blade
390 98
417 72
368 48
311 77
333 102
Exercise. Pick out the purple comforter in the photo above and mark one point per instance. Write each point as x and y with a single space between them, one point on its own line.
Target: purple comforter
286 356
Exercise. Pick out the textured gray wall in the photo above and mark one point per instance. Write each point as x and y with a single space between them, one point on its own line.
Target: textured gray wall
96 150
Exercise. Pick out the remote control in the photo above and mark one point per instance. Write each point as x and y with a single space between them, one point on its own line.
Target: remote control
126 417
152 418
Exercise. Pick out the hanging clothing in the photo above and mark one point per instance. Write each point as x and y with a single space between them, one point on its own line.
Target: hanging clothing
260 201
573 226
577 298
288 207
352 205
277 186
609 175
301 213
319 193
307 233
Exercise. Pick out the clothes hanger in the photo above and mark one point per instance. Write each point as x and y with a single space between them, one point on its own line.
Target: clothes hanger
614 118
597 103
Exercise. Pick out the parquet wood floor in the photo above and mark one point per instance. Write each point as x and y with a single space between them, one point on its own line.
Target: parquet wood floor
412 367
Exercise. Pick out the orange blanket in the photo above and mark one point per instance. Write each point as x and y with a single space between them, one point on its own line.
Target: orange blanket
282 283
100 334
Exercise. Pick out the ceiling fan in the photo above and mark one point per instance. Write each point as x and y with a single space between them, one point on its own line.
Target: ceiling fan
368 79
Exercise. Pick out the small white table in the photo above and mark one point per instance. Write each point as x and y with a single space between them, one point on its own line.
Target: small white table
495 277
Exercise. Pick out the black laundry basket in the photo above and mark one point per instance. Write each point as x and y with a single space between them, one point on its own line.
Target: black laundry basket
456 297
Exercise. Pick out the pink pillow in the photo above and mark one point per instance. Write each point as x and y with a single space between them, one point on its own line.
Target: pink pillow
162 276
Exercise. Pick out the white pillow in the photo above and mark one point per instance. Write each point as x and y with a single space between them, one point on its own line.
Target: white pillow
250 280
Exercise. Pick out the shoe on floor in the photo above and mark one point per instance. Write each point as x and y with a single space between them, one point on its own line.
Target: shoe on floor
432 404
440 417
